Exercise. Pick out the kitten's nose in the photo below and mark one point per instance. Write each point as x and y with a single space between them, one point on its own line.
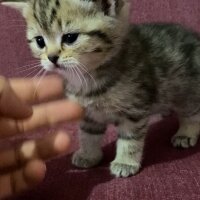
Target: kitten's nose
53 59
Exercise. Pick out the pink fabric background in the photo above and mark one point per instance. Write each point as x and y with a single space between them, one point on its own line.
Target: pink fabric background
167 173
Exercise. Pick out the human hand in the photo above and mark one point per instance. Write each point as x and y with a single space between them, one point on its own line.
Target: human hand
24 166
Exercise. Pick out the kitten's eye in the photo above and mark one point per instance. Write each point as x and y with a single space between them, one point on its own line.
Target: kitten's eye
70 38
40 41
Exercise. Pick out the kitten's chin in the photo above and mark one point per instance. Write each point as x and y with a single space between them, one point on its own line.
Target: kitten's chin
47 66
76 78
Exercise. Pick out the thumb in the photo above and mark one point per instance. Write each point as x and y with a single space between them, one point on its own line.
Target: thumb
10 105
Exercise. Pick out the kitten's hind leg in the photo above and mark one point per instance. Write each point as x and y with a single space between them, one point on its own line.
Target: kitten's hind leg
90 152
188 133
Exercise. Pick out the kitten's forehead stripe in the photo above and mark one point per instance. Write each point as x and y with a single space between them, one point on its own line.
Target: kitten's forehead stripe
106 7
36 18
34 11
57 3
45 13
40 14
59 23
53 15
68 23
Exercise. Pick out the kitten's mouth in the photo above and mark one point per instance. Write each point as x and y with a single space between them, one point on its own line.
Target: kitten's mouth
56 66
59 67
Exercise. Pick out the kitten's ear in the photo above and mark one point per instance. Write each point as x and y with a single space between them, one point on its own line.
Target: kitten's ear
19 6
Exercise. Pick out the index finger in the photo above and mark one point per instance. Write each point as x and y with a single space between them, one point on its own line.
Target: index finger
48 114
36 90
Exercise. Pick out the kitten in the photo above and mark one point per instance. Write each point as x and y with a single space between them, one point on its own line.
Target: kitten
119 72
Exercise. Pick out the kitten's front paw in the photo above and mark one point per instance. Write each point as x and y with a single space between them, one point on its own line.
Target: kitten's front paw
184 141
82 160
123 170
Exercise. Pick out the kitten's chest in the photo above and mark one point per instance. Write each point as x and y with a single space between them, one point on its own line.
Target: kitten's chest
98 107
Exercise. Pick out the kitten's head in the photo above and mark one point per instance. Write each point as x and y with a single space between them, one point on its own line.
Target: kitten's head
64 33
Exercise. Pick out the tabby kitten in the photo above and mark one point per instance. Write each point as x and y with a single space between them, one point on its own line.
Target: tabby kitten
120 73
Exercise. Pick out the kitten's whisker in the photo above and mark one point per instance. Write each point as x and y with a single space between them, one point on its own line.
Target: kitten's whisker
84 69
37 75
39 81
81 82
31 73
28 66
28 69
81 74
33 61
71 71
65 69
76 67
69 68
